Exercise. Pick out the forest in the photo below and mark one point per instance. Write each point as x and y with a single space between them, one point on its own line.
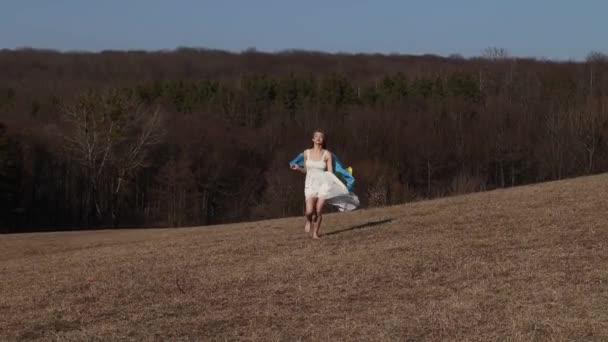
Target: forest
124 139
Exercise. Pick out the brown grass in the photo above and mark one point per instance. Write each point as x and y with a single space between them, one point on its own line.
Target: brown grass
513 265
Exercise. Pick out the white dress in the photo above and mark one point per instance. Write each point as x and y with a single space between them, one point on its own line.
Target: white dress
323 184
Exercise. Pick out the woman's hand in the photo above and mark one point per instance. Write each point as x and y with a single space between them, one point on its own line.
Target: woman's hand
297 167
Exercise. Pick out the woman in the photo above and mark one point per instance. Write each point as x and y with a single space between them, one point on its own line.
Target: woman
321 185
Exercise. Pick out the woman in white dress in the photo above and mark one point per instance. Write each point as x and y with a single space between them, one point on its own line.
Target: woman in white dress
321 184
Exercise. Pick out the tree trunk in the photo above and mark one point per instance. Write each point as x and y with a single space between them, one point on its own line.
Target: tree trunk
428 178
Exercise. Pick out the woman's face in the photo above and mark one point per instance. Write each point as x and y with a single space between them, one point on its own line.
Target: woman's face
318 138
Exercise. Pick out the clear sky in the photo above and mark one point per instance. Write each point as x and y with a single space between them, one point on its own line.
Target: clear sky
556 29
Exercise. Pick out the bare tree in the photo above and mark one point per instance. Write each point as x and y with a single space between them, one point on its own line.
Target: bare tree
178 193
596 57
595 60
109 135
588 125
495 53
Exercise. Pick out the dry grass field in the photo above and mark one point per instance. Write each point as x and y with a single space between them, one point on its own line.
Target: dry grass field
523 264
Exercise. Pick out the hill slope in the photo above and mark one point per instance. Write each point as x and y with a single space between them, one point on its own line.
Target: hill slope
518 264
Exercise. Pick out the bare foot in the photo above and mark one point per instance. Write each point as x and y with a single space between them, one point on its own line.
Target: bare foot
307 227
316 237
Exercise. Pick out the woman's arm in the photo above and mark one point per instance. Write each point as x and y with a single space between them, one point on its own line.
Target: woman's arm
330 164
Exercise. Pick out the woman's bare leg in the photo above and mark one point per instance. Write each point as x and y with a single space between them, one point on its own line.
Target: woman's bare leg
317 225
310 212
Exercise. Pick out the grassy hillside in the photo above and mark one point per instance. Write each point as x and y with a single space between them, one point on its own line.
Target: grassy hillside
528 263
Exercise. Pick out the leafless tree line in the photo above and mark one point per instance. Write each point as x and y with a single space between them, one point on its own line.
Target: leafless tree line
193 137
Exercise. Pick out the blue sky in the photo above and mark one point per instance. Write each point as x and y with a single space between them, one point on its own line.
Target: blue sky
556 29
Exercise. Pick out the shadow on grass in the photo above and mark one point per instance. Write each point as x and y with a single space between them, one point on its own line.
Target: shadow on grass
361 226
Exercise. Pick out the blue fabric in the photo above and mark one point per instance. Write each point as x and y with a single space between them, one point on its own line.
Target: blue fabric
339 170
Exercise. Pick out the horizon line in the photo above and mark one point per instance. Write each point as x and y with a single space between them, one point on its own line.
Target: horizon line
505 52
